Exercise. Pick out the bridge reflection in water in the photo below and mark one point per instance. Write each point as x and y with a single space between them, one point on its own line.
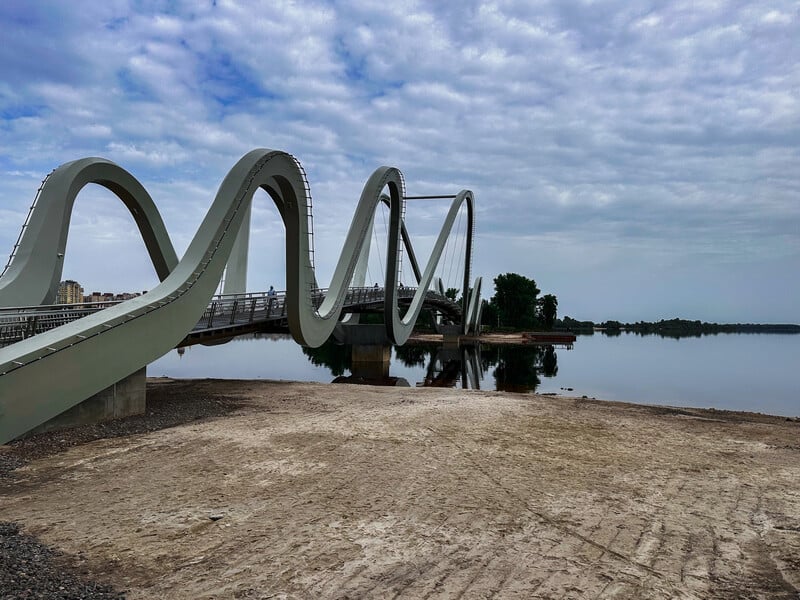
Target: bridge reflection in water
514 368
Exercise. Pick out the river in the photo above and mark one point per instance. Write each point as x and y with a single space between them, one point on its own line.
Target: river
750 372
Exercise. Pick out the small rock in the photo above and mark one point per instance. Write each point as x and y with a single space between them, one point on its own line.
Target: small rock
216 516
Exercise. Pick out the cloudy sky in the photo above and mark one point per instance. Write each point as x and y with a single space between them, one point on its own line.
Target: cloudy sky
640 160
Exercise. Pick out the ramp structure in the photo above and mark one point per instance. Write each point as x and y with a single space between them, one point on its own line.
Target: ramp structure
44 375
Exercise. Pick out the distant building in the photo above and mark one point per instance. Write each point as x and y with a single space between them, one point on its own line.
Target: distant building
110 296
69 292
126 295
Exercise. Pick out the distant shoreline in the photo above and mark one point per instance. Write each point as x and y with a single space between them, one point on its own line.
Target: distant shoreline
754 328
676 327
501 337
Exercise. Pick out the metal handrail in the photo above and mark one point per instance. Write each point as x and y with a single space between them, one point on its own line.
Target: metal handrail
26 223
224 310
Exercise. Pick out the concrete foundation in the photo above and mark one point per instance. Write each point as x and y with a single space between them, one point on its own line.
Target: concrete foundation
370 361
371 354
450 334
123 399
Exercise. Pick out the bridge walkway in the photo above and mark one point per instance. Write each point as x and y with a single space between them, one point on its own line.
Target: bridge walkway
226 315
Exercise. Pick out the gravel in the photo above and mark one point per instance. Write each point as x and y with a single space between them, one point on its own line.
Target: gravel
30 569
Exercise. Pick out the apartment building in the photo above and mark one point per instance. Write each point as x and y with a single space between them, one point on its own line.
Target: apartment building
69 292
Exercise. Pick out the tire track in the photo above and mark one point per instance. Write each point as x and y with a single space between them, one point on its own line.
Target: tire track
645 569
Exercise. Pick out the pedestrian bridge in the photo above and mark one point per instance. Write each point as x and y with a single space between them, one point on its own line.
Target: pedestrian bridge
58 361
227 315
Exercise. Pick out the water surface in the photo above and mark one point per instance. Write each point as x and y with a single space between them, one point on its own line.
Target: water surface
751 372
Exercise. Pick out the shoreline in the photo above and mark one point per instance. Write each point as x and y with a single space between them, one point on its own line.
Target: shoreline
520 338
563 394
252 488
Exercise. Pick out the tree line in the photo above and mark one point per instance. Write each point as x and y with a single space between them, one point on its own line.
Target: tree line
516 305
673 328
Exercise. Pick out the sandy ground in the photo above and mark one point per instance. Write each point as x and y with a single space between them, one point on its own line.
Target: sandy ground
326 491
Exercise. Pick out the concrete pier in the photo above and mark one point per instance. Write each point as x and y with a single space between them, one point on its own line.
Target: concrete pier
371 350
371 361
123 399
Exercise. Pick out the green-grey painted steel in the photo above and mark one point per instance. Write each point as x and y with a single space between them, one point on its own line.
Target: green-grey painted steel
235 275
42 376
35 271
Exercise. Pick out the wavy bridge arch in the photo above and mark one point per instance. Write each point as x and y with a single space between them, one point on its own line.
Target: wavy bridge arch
35 270
71 363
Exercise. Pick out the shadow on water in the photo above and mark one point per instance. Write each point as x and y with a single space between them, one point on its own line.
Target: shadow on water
513 368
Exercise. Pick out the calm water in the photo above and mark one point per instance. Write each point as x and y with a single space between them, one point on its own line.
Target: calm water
753 372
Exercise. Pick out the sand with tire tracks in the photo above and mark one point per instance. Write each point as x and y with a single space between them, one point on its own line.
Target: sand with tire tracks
301 490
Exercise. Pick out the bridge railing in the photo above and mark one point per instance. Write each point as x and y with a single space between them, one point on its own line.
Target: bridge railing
18 323
238 309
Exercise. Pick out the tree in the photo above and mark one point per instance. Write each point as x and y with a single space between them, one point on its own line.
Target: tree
549 310
515 301
489 314
451 293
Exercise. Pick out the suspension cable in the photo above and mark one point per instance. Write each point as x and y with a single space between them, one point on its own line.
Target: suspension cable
454 252
384 208
448 250
377 248
462 244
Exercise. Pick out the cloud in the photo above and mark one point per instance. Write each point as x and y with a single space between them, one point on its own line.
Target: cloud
636 136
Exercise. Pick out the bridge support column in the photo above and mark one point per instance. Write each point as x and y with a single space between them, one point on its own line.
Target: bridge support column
371 351
123 399
370 361
450 334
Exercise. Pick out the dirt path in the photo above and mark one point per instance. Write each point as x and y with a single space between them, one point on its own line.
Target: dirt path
310 490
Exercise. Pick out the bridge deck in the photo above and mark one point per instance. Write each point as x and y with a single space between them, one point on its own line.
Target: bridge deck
226 315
